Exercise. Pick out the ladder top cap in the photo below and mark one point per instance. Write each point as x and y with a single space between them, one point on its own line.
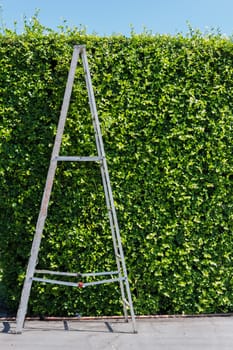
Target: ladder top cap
80 47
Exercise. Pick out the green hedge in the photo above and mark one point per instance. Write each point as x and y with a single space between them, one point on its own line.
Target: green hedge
166 110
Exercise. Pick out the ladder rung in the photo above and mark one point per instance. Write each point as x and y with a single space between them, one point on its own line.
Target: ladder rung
105 273
78 159
49 272
77 274
103 281
64 283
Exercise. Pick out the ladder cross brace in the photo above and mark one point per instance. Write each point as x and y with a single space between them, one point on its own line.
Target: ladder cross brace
78 284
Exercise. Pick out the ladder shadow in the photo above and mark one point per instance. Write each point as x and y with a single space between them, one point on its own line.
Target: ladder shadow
119 327
107 327
80 327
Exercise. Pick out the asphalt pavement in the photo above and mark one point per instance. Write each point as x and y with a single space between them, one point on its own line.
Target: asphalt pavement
175 333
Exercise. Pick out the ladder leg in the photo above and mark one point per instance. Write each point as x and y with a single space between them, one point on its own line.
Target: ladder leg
23 305
29 275
46 195
130 305
118 256
35 250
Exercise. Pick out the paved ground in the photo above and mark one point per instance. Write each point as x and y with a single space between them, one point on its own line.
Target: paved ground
215 333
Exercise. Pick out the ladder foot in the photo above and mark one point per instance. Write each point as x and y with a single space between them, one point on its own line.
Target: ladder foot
13 331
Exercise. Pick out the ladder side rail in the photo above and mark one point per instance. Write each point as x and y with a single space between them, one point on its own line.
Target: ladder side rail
108 190
98 137
94 113
103 168
66 101
46 196
114 239
99 144
117 231
100 149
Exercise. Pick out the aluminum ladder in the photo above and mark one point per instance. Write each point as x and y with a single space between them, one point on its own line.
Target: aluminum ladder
120 275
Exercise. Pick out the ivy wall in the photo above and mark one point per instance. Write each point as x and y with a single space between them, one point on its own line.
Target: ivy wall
166 110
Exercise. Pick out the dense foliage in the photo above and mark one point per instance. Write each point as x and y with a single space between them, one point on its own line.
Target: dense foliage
166 110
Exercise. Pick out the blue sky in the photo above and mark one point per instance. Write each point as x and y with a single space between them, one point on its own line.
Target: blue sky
106 17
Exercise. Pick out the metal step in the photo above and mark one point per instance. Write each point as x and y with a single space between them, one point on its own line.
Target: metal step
77 274
78 159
